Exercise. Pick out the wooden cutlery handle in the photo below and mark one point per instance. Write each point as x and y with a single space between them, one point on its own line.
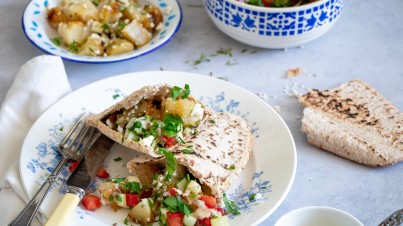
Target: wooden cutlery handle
64 210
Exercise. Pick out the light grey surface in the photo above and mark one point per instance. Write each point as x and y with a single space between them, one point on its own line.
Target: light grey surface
365 43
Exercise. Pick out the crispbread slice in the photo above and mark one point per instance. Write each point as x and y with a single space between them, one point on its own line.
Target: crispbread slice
354 121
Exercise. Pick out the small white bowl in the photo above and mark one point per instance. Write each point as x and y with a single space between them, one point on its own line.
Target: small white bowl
318 216
274 28
39 32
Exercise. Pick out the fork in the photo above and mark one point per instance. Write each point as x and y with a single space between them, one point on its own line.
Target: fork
72 147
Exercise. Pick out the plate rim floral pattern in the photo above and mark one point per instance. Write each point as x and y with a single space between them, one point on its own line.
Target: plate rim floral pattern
225 97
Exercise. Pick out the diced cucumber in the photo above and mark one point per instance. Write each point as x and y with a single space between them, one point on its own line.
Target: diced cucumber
142 212
194 187
120 200
189 220
220 221
181 185
163 218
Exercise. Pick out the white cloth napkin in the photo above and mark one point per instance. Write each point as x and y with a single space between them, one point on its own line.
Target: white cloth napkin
38 84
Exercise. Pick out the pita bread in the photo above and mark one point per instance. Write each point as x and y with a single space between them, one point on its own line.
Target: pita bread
154 92
355 122
222 148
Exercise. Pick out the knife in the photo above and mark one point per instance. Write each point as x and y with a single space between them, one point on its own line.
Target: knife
80 180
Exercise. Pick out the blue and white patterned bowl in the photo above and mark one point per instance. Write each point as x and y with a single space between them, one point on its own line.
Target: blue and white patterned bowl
274 28
39 32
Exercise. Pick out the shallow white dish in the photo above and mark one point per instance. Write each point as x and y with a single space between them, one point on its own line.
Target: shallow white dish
270 171
40 33
318 216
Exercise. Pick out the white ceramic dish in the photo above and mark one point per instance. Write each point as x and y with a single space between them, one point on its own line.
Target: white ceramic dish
318 216
270 171
40 33
274 28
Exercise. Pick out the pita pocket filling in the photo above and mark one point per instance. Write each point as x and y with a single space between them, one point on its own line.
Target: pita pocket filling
152 117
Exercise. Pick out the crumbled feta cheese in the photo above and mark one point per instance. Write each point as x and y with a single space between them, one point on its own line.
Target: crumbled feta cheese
146 141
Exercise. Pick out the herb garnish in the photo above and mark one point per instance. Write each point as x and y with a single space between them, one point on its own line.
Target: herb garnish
252 197
131 187
171 163
230 205
177 91
231 167
172 125
176 204
126 222
118 198
117 159
73 47
201 59
188 151
57 41
116 96
227 51
95 2
229 63
118 180
105 27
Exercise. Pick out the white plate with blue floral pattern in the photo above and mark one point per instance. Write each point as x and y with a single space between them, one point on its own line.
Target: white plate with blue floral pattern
40 33
267 177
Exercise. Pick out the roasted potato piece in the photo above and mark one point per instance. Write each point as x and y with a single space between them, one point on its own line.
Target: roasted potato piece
142 213
181 107
156 15
136 34
134 12
74 31
83 10
56 16
110 13
93 46
119 46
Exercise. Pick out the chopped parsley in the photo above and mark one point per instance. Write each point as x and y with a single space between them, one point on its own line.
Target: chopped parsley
229 63
231 167
122 25
117 159
116 96
177 91
118 198
230 205
188 151
252 197
172 125
95 2
126 222
201 59
211 121
171 163
181 140
57 41
131 187
227 51
118 180
61 128
105 27
73 47
176 204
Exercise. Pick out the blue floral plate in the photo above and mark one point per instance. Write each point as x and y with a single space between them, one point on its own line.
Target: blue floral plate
40 33
258 191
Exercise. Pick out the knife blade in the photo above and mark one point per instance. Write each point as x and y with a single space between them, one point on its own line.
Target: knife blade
80 180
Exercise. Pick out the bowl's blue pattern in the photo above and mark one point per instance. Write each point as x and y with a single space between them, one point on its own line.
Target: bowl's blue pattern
290 22
48 156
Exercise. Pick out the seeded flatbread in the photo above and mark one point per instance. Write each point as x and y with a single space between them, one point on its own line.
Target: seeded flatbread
355 122
145 93
222 148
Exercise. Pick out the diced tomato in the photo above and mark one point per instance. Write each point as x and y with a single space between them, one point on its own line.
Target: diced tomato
73 166
102 173
175 219
91 202
113 118
169 141
132 200
210 201
221 210
267 3
172 191
203 222
145 194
